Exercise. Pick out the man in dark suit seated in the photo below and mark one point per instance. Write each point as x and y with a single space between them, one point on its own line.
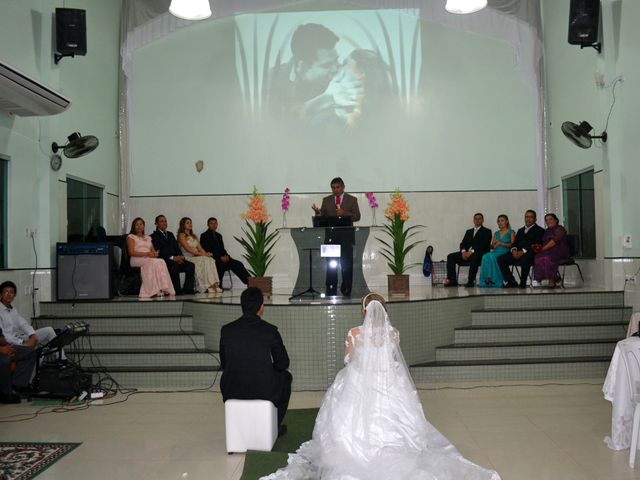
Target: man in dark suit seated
340 204
476 242
253 358
522 251
212 242
25 362
169 250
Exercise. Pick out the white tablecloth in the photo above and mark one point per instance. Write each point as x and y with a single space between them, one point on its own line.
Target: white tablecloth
616 390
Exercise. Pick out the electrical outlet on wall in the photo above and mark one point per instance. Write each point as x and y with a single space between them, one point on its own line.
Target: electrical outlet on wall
627 241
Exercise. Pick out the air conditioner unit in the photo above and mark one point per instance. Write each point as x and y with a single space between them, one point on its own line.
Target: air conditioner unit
24 96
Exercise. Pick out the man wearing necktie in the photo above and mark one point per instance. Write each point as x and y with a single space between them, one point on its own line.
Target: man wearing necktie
169 250
476 242
340 204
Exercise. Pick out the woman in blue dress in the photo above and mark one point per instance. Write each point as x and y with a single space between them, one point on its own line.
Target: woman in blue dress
490 275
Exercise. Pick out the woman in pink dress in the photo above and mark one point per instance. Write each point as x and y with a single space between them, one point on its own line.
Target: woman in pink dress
155 276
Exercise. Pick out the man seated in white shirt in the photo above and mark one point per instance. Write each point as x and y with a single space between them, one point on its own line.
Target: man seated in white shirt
16 330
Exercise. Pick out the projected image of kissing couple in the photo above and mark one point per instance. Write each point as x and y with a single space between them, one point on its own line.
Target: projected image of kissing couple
333 73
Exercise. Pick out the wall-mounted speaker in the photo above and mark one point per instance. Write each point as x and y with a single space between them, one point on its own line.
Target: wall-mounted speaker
71 32
83 271
584 22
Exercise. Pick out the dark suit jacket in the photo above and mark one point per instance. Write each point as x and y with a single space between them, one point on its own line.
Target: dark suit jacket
167 246
212 242
349 204
481 243
253 359
534 235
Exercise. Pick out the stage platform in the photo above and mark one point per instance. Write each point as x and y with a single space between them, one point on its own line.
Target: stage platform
447 334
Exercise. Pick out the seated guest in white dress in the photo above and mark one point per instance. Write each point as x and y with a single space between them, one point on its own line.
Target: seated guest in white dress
155 276
206 272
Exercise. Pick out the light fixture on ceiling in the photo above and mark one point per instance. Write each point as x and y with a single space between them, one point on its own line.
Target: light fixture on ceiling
464 6
78 145
579 134
190 9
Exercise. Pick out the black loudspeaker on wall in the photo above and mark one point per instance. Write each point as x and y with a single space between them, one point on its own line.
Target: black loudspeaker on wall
83 271
71 32
584 22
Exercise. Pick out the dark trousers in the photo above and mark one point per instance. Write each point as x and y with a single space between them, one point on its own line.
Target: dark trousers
189 270
25 359
455 258
526 261
235 266
346 267
283 403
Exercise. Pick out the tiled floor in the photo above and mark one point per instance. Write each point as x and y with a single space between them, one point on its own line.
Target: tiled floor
550 432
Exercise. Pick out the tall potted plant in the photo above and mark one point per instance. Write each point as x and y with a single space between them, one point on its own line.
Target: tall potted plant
397 244
258 243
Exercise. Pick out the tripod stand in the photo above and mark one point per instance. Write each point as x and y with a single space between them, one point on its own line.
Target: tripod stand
310 290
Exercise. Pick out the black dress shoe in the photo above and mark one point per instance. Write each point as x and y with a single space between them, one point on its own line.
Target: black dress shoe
511 285
451 284
282 429
8 398
522 286
470 284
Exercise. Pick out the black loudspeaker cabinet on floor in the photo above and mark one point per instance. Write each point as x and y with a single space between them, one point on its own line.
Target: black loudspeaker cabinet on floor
83 271
71 31
584 22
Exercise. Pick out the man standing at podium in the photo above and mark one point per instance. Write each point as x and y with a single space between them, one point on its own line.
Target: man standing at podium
340 204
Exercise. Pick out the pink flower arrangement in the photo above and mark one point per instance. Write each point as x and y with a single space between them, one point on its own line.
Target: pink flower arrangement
285 200
373 203
397 206
257 212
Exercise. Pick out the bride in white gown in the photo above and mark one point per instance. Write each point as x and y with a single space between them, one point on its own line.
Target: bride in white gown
371 425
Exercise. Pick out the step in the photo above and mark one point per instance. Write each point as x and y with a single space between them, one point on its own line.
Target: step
132 307
170 378
123 323
550 315
145 358
141 341
547 369
523 350
539 333
554 299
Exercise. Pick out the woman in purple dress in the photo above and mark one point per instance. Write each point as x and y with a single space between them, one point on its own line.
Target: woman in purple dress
554 251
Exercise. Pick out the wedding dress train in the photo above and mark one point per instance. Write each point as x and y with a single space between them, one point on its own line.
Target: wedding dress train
371 425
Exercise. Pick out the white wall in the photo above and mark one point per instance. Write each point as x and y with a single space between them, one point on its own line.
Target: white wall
35 199
470 125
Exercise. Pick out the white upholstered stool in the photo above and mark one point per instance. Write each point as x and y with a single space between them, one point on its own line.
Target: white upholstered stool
250 425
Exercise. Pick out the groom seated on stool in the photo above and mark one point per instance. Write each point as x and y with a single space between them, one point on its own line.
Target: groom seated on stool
253 358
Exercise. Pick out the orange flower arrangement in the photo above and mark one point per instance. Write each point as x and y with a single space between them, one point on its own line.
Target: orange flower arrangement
397 245
257 212
397 206
257 242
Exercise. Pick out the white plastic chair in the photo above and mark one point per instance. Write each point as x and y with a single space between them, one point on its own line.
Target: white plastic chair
631 357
